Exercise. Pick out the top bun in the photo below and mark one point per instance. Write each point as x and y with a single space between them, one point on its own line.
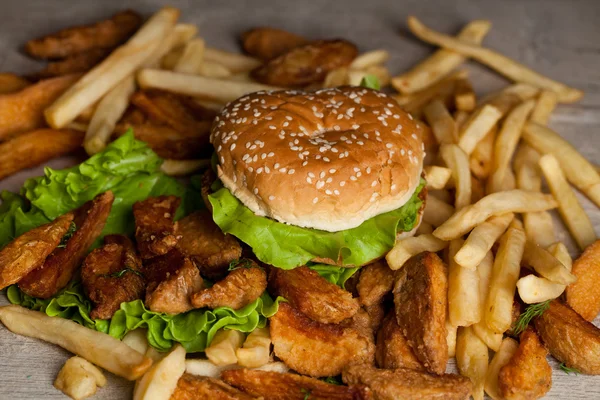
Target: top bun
327 160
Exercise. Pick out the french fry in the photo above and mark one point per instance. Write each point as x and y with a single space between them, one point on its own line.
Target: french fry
441 89
197 86
98 348
501 358
136 339
500 63
451 332
464 303
256 349
441 122
458 162
561 253
183 167
202 367
478 125
507 265
161 380
544 106
477 190
518 201
441 63
511 96
211 105
506 143
424 228
222 350
580 172
437 177
528 156
484 270
411 246
79 379
583 296
460 117
481 239
381 72
211 69
472 359
481 160
170 59
192 57
464 96
10 83
444 195
336 77
234 62
370 58
534 289
437 211
570 210
546 264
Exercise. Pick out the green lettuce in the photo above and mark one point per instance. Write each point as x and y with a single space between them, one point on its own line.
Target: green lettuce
289 246
194 329
336 275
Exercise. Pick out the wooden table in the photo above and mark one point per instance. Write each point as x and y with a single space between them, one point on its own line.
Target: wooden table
560 38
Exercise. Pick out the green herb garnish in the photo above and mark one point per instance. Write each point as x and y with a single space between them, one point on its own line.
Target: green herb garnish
333 380
531 312
68 235
122 272
306 393
370 81
243 263
568 370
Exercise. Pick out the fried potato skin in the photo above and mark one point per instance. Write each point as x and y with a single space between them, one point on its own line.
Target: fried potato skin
420 299
313 295
392 349
570 338
36 147
191 387
375 281
59 267
104 34
10 83
407 384
204 242
238 289
287 386
154 227
29 251
78 63
267 43
101 282
583 295
528 374
316 349
306 64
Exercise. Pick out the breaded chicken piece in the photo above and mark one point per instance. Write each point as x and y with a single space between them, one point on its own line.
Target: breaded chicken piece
392 349
421 302
172 279
208 178
288 386
29 251
528 375
313 295
408 384
111 275
154 227
241 287
192 387
316 349
376 314
375 281
59 267
204 242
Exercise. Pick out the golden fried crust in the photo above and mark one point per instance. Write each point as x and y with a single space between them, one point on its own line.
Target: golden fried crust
104 34
570 338
267 43
375 281
29 251
59 267
393 350
204 242
81 62
154 227
313 295
192 387
583 295
111 275
287 386
420 298
407 384
172 279
238 289
527 376
316 349
376 314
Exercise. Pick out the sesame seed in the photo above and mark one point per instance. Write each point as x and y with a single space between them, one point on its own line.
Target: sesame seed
332 171
309 180
315 200
374 184
255 190
322 174
342 183
276 165
283 170
358 174
329 180
356 169
271 154
267 170
320 184
326 159
389 145
250 169
259 170
328 192
291 171
271 197
336 192
353 178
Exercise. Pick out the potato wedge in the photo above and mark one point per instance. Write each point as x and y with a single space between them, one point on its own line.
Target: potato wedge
79 379
160 381
583 295
392 349
501 358
267 43
472 359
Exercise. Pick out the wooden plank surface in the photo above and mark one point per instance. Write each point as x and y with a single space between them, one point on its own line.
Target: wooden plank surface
557 37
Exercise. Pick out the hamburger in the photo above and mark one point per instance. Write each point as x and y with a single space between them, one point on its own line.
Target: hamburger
331 176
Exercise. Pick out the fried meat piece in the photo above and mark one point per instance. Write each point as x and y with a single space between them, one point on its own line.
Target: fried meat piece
313 295
192 387
267 43
204 242
392 350
81 62
59 267
375 281
111 275
408 384
239 288
104 34
172 279
29 251
208 178
528 374
420 299
376 314
287 386
316 349
583 295
154 227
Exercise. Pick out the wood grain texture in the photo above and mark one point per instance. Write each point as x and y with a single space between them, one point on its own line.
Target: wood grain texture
556 37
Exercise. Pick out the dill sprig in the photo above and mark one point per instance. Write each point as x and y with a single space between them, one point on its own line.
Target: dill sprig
67 236
122 272
531 312
568 370
334 380
306 393
243 263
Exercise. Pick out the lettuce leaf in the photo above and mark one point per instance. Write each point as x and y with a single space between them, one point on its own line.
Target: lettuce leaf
194 329
336 275
289 246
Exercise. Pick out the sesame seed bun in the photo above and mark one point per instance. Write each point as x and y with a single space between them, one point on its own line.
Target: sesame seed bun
328 160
